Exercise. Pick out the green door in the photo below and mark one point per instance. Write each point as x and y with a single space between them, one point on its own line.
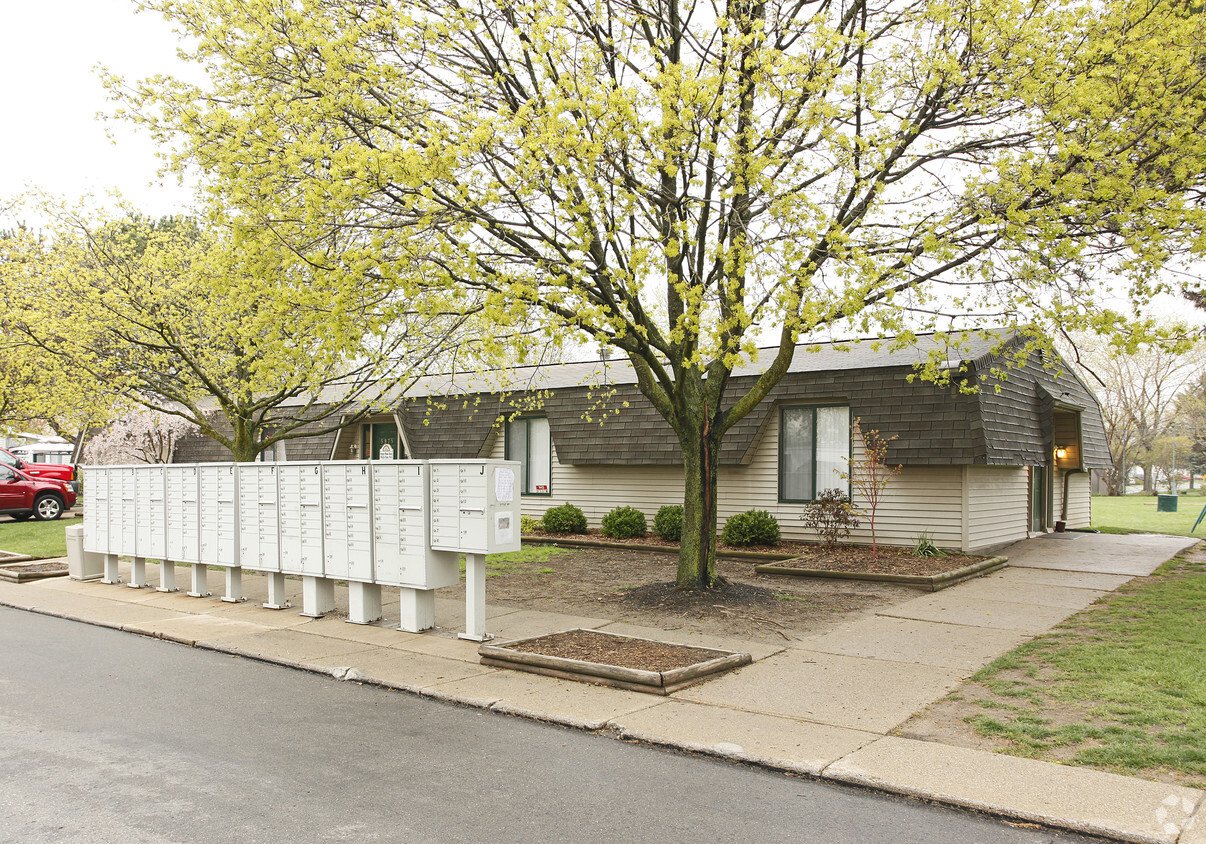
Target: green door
382 435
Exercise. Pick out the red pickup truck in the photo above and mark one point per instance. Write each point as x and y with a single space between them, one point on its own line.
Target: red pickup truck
22 496
57 471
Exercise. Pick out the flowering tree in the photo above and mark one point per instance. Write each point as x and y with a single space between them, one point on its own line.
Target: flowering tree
141 436
683 181
869 474
223 326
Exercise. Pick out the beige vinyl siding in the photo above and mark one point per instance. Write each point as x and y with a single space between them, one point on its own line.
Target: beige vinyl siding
597 490
997 505
1079 498
920 498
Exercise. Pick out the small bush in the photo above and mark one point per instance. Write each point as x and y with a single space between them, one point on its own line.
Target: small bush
831 516
925 547
528 524
753 527
625 523
564 519
668 523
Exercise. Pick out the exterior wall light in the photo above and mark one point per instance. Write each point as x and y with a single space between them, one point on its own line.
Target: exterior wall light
1060 452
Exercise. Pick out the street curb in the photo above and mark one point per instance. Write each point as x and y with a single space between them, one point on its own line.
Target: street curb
608 730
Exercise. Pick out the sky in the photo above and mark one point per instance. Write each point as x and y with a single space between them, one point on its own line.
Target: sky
52 137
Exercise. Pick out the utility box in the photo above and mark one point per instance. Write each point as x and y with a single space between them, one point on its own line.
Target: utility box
401 506
1166 503
81 564
259 535
299 489
347 514
475 506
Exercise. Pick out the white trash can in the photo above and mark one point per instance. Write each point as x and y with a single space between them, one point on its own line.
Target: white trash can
81 564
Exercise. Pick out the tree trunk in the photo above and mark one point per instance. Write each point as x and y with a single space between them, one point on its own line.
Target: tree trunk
1148 486
697 552
243 447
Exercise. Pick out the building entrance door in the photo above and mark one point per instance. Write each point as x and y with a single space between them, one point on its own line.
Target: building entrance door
382 437
1039 485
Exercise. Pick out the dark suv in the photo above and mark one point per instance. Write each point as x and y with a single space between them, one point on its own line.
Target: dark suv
22 496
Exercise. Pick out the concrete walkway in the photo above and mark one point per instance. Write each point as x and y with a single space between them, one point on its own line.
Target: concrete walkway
824 707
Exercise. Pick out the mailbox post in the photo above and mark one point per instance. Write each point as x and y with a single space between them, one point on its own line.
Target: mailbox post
475 511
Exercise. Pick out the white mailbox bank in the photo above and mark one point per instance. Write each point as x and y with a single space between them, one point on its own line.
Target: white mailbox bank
371 523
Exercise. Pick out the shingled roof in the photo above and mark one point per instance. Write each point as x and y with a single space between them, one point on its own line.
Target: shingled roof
598 416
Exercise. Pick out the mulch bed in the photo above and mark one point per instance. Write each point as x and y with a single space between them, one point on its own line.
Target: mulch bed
589 646
890 560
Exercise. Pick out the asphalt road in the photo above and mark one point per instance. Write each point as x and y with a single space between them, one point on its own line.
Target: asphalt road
110 737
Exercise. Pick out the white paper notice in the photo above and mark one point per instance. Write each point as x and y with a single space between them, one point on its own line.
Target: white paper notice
503 530
504 485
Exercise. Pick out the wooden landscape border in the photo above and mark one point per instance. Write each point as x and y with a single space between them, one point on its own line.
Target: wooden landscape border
928 582
512 655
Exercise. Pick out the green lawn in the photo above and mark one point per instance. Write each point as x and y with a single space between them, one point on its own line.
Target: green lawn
1137 514
37 539
1118 686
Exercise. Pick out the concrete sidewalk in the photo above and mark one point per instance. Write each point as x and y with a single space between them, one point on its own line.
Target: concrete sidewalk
824 707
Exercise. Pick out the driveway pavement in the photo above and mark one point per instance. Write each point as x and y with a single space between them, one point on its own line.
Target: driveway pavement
824 707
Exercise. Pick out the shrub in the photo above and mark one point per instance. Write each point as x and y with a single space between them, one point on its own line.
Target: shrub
528 524
625 523
564 519
925 547
831 516
668 523
753 527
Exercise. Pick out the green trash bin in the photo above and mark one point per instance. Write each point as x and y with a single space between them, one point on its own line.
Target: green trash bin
1166 503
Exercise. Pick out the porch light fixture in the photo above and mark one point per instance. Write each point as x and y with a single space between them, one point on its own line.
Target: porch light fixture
1060 452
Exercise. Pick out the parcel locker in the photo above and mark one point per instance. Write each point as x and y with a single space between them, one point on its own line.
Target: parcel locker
475 506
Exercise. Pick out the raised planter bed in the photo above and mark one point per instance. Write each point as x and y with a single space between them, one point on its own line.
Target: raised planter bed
22 572
930 582
668 667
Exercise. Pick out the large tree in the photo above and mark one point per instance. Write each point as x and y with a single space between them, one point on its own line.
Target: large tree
686 180
248 340
1142 392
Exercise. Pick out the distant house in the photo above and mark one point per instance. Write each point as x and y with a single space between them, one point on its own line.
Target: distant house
980 470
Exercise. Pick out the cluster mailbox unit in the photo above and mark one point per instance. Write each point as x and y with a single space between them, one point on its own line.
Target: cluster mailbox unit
398 523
